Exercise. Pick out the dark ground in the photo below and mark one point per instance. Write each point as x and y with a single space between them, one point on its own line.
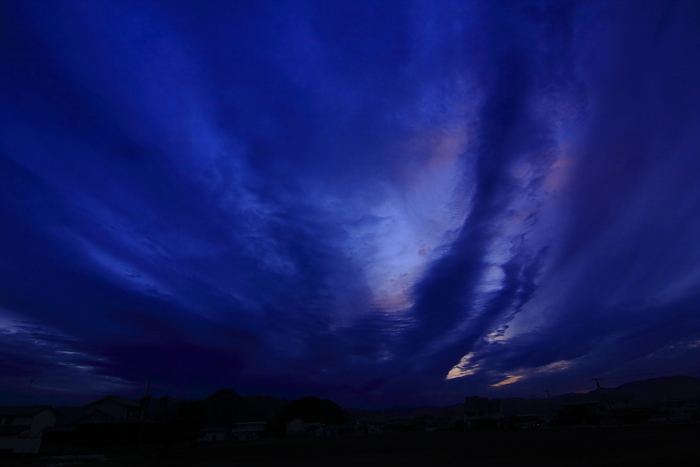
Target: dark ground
676 445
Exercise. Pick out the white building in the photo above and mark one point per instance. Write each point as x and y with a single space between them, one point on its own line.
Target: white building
21 427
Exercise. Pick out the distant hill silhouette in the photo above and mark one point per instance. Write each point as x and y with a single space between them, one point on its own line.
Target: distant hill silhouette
655 389
225 407
660 389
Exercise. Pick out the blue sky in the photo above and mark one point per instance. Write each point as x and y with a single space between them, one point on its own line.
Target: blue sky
375 202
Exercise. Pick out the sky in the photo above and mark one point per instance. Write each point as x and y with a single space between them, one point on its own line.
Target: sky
376 202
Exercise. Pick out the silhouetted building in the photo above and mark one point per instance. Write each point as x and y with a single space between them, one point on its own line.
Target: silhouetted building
112 424
117 408
333 429
247 430
592 409
212 434
482 412
21 427
299 427
449 418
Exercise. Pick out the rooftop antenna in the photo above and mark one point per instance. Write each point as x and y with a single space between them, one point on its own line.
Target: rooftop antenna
28 396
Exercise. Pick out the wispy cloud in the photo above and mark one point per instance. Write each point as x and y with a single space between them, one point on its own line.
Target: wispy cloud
374 202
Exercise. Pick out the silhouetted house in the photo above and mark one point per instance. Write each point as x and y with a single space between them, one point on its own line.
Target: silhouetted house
618 401
315 429
108 409
247 430
353 428
92 417
592 408
482 412
692 407
585 410
333 430
672 407
425 422
374 428
398 424
296 427
369 425
692 404
116 408
299 427
21 428
529 420
109 425
676 410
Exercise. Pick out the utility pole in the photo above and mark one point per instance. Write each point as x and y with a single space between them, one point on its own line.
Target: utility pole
551 405
600 388
28 396
144 407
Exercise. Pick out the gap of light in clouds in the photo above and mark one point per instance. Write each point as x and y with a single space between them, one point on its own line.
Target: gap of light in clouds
376 202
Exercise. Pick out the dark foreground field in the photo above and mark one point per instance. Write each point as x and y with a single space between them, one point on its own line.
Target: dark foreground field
672 445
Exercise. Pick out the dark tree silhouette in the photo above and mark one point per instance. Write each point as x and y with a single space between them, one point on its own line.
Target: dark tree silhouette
163 402
313 409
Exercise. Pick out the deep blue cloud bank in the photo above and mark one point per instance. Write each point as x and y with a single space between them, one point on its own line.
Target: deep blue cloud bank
376 202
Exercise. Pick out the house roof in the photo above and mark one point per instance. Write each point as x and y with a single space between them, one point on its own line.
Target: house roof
70 413
13 429
117 400
106 418
24 410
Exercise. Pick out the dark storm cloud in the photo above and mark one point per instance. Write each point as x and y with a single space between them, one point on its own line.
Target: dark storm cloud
348 199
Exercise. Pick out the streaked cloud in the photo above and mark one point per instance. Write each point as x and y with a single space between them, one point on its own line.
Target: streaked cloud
375 202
